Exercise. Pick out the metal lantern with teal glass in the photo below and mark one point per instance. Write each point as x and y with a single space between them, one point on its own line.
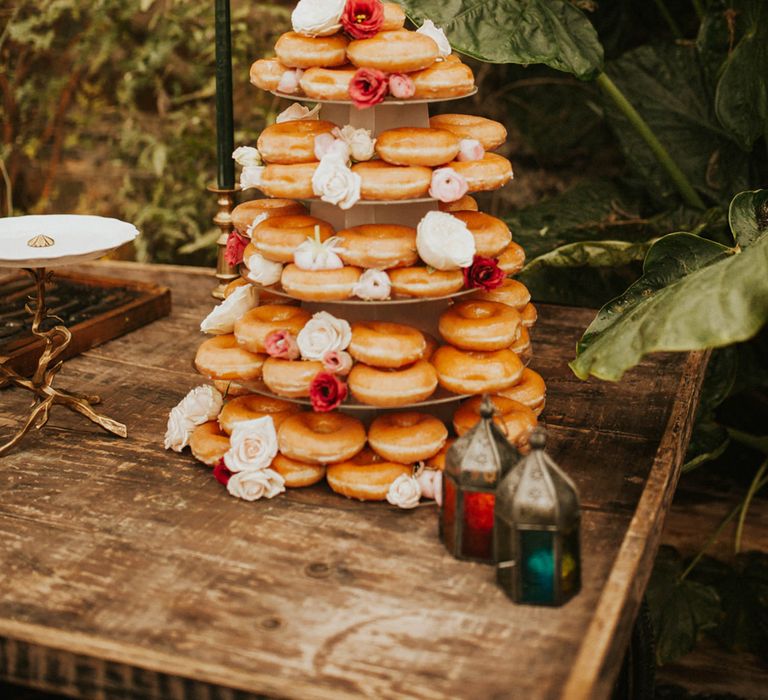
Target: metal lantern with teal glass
536 533
473 466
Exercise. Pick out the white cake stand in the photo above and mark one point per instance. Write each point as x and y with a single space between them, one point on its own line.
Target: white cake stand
35 243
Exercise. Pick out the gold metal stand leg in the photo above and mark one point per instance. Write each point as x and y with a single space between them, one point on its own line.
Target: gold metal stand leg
56 340
225 273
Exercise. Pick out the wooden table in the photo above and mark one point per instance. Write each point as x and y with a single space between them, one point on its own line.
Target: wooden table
128 572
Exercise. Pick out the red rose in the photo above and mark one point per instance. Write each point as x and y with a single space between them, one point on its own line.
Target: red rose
483 273
221 473
326 392
362 18
235 246
368 87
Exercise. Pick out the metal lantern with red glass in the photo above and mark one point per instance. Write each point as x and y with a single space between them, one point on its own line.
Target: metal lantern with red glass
536 535
473 467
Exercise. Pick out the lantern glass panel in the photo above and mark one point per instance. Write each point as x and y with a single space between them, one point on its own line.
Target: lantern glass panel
503 533
570 568
537 558
448 514
477 535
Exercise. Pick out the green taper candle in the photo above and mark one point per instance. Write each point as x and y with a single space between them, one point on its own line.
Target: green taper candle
225 139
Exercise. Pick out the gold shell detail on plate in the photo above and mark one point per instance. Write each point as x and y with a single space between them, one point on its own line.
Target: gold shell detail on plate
40 241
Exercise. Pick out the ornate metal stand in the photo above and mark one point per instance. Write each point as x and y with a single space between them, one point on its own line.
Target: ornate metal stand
225 273
40 384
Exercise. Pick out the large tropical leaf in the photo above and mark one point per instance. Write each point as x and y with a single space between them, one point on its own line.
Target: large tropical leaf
553 32
694 293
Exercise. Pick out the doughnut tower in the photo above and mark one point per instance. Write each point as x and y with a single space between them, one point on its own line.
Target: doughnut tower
376 303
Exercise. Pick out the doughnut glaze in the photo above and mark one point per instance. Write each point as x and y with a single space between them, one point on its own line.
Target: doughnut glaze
220 357
491 134
491 234
470 372
466 203
512 259
529 315
511 292
292 141
253 327
396 51
394 387
298 51
394 17
417 146
515 420
290 378
530 391
380 246
449 78
407 437
297 474
320 285
480 325
321 438
278 237
365 477
208 443
327 83
420 282
382 181
490 173
388 345
253 406
288 181
266 73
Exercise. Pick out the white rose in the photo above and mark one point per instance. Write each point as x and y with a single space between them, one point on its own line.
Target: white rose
290 81
317 17
253 485
256 221
334 182
361 145
470 149
222 319
327 143
404 492
298 112
252 445
250 177
437 35
201 404
313 255
444 242
263 271
247 156
323 333
177 431
373 285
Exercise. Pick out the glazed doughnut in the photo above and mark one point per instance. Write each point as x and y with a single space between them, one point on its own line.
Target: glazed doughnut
512 293
254 406
208 443
449 78
297 474
529 315
365 477
290 378
414 146
529 391
469 372
227 388
382 344
298 51
479 325
514 419
491 234
266 73
234 284
420 282
293 141
320 438
244 214
252 328
389 388
382 181
512 259
394 17
327 83
466 203
431 346
522 346
396 51
320 285
220 357
407 437
438 461
490 173
288 181
489 133
278 237
381 246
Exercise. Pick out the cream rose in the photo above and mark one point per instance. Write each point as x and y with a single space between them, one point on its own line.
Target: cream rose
201 404
404 492
263 271
256 221
252 445
250 177
334 182
177 431
298 112
253 485
444 242
328 144
317 17
290 81
373 285
470 149
247 156
322 334
437 35
222 319
447 185
431 484
361 145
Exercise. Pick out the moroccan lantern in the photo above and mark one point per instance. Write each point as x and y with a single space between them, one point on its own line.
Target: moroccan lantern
474 465
536 533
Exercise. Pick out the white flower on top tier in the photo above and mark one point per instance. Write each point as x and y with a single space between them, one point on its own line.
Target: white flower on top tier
290 81
222 319
361 144
323 333
253 485
201 404
262 271
298 112
317 17
315 254
373 285
334 182
249 159
444 242
437 35
404 492
252 445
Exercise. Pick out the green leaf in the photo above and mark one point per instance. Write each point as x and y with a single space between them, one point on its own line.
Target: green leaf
748 217
553 32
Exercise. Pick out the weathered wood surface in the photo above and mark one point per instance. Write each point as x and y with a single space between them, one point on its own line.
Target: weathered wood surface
129 572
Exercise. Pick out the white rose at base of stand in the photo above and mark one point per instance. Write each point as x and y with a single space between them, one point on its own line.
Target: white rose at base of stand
373 285
290 81
247 156
177 431
431 483
404 492
298 112
437 35
317 17
334 182
323 333
252 445
263 271
444 242
222 319
361 145
201 404
253 485
250 177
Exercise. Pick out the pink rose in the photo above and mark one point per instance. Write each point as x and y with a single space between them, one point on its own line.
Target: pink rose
337 362
470 149
282 344
362 19
368 87
431 483
447 185
484 273
221 472
236 244
289 81
401 86
326 392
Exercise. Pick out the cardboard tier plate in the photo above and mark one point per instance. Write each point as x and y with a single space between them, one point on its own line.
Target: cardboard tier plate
94 309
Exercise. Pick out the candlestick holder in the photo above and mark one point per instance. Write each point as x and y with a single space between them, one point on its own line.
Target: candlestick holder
225 202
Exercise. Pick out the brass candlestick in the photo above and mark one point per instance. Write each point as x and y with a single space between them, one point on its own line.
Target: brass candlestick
56 340
225 273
